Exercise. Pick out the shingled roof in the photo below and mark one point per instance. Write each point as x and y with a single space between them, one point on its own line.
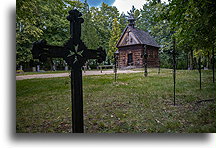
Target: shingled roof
142 36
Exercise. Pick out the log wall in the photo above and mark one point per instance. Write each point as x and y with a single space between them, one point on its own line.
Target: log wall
137 54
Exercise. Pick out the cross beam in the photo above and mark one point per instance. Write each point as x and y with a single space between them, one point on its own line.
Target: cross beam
41 50
75 53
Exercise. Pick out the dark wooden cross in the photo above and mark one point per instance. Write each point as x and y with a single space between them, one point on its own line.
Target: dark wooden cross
115 65
75 53
145 58
174 70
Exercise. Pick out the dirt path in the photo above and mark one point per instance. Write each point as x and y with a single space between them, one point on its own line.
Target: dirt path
67 74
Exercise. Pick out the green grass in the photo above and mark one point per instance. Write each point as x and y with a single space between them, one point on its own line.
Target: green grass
133 104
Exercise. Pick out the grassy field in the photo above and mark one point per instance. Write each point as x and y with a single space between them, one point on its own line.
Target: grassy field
133 104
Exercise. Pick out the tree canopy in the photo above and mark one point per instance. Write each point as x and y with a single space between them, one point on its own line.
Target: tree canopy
192 21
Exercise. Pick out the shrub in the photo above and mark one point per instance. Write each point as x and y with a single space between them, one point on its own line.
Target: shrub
20 71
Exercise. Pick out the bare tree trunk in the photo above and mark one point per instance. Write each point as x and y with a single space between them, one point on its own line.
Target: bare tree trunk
208 61
187 67
199 62
191 62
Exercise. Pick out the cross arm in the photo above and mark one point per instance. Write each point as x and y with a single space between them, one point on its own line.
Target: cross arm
41 50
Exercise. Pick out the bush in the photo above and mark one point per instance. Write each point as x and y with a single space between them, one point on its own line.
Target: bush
19 71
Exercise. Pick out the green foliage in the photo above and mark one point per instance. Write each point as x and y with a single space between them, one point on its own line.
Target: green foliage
41 19
191 20
122 21
103 18
115 35
134 12
193 23
25 29
46 20
19 72
89 32
158 28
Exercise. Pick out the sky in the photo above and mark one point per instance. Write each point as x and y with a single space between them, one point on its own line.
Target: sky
126 5
122 5
10 139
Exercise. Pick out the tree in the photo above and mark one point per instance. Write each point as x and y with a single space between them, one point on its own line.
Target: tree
102 18
194 22
89 32
41 19
26 29
122 21
115 35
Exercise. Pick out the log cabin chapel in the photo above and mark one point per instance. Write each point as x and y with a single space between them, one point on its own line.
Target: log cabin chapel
132 46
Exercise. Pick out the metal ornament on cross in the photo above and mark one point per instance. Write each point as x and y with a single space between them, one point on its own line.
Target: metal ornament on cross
75 53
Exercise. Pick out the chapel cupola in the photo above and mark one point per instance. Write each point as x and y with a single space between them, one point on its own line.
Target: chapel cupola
131 21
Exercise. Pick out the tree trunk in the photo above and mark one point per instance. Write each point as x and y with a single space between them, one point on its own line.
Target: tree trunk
199 62
208 61
191 60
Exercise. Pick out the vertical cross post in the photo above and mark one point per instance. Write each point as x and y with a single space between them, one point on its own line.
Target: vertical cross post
145 61
174 71
76 74
75 25
77 101
115 65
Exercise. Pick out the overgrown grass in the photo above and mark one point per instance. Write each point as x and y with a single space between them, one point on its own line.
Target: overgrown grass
133 104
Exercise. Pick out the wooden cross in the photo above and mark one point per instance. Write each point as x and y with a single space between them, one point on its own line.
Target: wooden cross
75 53
145 61
174 67
174 71
115 65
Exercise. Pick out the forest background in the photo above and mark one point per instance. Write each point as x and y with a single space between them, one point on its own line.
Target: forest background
190 22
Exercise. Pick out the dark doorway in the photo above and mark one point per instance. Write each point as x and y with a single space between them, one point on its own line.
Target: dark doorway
130 59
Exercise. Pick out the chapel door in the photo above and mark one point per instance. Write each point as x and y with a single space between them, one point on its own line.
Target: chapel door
130 59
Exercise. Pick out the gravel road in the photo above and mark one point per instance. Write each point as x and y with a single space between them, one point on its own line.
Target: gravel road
67 74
